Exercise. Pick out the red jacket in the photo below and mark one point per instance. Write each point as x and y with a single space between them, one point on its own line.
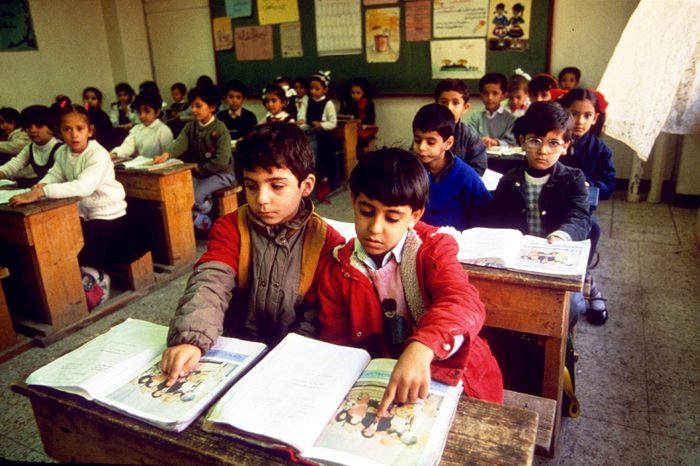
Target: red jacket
351 312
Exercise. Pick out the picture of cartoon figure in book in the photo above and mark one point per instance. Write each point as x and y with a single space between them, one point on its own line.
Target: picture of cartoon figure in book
553 256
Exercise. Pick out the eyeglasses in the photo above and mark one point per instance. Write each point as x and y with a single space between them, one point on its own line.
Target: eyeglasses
553 145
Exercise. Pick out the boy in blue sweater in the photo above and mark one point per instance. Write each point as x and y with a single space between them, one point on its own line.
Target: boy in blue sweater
457 195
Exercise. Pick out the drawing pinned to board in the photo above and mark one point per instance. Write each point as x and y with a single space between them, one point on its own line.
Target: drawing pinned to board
338 27
253 43
383 39
16 27
460 18
510 23
460 59
290 40
418 21
278 11
378 2
223 33
239 8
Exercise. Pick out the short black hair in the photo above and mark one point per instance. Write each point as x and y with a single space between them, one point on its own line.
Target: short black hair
518 82
456 85
275 89
570 70
180 87
363 84
543 117
494 78
204 80
208 94
236 86
124 87
39 115
11 115
541 83
303 81
435 117
149 86
275 145
96 91
392 176
147 99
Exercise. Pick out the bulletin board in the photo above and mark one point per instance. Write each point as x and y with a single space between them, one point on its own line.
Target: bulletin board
410 75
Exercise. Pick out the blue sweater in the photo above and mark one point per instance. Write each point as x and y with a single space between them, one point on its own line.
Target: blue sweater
457 196
594 158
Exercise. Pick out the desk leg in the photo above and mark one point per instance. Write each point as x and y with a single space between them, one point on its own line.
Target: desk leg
178 198
8 337
554 359
349 147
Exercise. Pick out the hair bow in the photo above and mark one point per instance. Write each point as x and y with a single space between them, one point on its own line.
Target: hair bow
602 103
324 76
520 72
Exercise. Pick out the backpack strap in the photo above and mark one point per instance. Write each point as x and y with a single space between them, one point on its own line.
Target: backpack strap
243 247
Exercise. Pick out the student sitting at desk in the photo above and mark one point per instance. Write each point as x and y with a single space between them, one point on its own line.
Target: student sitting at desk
494 124
237 119
257 279
149 138
11 127
358 103
207 143
35 160
457 194
397 290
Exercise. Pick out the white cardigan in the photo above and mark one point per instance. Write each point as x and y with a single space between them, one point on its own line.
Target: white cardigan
148 141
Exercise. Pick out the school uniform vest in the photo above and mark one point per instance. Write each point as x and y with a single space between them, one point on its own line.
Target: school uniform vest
314 110
41 170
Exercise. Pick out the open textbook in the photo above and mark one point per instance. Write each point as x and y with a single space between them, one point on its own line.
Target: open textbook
322 405
120 369
7 194
144 163
505 248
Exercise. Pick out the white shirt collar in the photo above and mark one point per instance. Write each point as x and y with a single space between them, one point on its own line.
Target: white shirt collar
490 115
395 252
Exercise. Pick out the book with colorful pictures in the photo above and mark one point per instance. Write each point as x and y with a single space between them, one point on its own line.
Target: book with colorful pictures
145 163
298 399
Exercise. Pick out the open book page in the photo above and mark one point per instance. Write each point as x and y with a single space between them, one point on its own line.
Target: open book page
346 229
290 395
105 361
174 408
561 258
490 247
7 194
490 179
412 434
146 163
5 182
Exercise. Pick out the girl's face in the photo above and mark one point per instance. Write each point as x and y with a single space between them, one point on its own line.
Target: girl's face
584 115
7 126
273 103
124 98
39 134
91 99
148 115
317 89
568 81
517 98
76 131
356 93
301 90
177 95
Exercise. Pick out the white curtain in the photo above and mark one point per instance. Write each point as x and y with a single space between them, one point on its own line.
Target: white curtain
652 82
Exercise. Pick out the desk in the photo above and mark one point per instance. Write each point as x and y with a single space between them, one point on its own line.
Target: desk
172 192
76 430
39 243
346 132
532 304
501 160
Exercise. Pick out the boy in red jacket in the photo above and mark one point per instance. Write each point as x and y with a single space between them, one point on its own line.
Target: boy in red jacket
397 290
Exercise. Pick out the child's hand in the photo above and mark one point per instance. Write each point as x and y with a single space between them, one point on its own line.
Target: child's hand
554 238
27 198
178 361
316 124
112 155
410 379
161 158
489 142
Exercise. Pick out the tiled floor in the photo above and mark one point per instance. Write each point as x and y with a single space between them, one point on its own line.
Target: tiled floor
637 376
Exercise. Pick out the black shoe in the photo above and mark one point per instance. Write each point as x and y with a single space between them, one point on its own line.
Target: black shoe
597 312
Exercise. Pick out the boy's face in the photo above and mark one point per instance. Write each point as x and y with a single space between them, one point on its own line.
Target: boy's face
455 102
39 134
584 115
430 148
201 110
540 96
517 98
568 81
491 96
147 114
234 99
274 195
543 151
379 228
7 126
273 103
176 95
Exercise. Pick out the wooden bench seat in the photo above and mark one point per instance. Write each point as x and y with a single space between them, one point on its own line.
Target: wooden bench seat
545 408
136 275
225 200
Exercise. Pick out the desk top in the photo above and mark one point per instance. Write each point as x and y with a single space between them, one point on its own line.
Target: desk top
38 206
482 433
169 170
523 278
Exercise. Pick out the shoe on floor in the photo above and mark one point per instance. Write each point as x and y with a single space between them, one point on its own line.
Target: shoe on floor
597 310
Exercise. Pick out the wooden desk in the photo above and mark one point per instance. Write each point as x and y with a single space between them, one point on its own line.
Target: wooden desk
40 243
75 430
532 304
172 193
346 131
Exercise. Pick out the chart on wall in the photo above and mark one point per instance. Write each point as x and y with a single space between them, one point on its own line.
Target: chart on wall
16 27
509 28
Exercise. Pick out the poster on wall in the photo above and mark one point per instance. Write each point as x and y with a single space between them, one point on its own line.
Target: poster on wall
338 27
239 8
458 59
16 27
509 25
290 40
253 43
418 21
382 35
223 33
278 11
460 18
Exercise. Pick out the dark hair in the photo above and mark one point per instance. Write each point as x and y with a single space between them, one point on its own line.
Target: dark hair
39 115
585 94
11 115
283 79
124 87
321 77
517 82
275 145
236 86
180 87
74 108
543 117
303 81
392 176
493 78
456 85
208 94
276 90
149 86
204 80
570 70
363 84
542 83
147 99
435 117
94 90
518 8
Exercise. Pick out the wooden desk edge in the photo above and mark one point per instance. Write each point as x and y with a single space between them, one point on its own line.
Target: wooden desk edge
39 206
523 278
157 172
